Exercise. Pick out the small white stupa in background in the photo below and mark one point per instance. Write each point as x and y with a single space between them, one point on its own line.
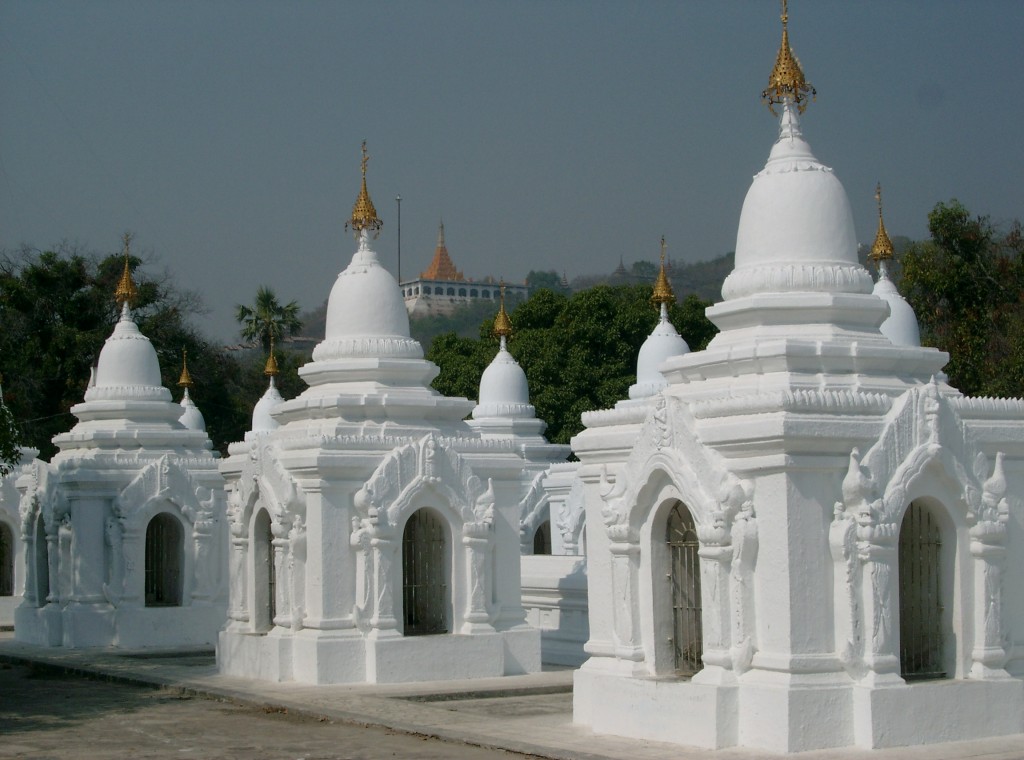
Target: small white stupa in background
375 534
901 325
263 413
811 540
124 528
191 418
12 543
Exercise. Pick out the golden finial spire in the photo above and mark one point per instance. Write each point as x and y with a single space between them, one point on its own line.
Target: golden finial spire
185 381
786 81
502 324
270 369
882 249
662 288
126 291
364 215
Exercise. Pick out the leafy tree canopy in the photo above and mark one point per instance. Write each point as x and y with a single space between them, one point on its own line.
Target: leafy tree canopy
966 285
579 352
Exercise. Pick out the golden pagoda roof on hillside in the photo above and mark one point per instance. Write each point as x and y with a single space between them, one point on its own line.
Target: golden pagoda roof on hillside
441 267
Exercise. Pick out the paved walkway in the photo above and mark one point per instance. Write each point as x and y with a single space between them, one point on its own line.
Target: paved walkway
530 715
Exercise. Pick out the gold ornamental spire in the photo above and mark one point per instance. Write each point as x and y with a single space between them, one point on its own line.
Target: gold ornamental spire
270 369
882 249
126 291
662 287
364 215
502 324
185 381
786 81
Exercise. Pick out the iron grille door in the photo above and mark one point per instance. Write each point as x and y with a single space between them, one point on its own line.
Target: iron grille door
921 618
6 561
687 632
424 575
163 562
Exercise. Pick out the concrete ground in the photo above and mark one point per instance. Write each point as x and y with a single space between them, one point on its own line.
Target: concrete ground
48 710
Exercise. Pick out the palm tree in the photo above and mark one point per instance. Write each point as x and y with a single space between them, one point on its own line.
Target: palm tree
267 318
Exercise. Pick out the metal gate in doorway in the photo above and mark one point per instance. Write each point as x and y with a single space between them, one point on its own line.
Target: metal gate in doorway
684 576
424 575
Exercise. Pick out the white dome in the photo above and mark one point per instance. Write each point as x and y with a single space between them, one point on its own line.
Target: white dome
661 344
366 314
503 389
900 326
191 417
796 229
127 368
262 421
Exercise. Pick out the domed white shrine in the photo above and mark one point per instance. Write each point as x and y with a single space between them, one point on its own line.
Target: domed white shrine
375 533
808 540
12 543
124 529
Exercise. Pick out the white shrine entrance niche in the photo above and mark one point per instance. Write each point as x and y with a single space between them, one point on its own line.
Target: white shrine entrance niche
426 569
165 549
542 538
683 588
6 560
925 598
264 582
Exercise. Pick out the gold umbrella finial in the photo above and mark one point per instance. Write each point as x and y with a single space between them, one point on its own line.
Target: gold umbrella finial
270 368
787 82
185 381
662 287
502 323
126 291
881 249
364 215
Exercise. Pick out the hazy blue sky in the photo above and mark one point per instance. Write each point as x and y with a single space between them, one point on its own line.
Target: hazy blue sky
225 134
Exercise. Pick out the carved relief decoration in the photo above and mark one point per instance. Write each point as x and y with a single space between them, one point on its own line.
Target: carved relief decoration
534 509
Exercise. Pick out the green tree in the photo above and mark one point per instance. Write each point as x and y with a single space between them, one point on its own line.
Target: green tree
267 318
579 353
966 285
549 279
9 436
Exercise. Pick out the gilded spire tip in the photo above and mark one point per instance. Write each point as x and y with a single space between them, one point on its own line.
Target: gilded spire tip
364 215
270 368
502 323
662 287
185 381
786 83
882 249
126 291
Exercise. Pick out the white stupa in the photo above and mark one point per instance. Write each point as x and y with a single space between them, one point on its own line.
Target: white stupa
901 325
124 527
263 412
809 541
191 418
663 343
375 534
12 542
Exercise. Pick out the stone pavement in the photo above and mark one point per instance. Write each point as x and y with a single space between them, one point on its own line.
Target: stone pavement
530 715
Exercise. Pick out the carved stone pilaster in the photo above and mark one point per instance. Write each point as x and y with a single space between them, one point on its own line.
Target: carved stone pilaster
876 550
132 590
846 588
383 615
203 570
715 560
625 573
238 603
476 537
741 588
988 549
282 586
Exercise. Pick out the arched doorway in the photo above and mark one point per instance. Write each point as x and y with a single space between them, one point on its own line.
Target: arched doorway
923 634
165 547
424 575
6 560
42 563
684 577
542 538
265 575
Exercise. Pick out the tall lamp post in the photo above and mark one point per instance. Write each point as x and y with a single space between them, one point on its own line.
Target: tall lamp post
398 200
